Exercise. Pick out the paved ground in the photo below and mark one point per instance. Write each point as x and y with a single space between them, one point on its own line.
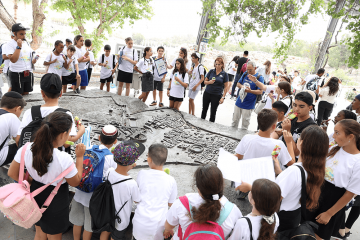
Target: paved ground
224 116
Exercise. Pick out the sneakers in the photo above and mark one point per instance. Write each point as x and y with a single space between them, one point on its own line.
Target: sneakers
77 91
153 103
161 105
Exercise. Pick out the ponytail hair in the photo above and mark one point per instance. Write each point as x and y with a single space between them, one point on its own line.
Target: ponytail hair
209 181
57 43
286 87
267 197
184 51
349 114
51 127
313 151
77 38
146 50
349 126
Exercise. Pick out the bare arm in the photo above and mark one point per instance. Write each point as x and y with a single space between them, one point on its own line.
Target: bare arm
137 69
239 156
75 180
81 131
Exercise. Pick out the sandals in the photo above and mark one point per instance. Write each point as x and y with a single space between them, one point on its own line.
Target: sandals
161 105
153 103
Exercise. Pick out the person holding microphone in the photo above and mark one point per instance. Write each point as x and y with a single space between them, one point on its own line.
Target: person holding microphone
22 61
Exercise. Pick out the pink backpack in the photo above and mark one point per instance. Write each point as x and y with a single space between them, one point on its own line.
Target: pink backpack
19 205
210 231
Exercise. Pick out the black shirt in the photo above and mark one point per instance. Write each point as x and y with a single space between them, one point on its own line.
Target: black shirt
240 62
298 127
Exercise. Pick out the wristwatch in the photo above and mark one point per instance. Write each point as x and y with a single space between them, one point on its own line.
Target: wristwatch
17 47
168 89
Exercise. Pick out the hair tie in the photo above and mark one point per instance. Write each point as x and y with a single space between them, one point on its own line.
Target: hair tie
49 124
215 197
269 219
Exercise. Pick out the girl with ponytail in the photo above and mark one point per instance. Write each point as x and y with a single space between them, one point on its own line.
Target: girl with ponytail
206 204
45 162
265 198
55 61
146 67
342 178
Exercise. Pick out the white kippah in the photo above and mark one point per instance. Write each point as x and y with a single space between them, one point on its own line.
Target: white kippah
109 130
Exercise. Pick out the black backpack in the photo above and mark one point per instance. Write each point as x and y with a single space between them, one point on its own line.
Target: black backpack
103 57
305 231
28 133
203 82
102 207
2 111
313 84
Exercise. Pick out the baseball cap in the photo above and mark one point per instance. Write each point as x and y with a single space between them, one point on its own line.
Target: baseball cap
69 39
198 55
51 83
357 97
307 97
18 27
127 153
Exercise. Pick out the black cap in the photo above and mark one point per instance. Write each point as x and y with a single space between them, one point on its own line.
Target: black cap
18 27
49 80
305 97
13 94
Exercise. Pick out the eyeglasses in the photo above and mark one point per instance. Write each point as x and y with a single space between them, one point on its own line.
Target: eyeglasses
218 64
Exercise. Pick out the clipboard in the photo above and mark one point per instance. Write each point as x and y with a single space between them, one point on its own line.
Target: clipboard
160 66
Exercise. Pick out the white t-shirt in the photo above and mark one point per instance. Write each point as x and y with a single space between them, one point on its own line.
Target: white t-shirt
92 59
324 92
105 72
72 68
61 161
331 138
177 90
343 170
289 182
197 72
297 83
6 62
187 65
145 65
269 88
131 53
262 71
57 66
308 78
24 61
254 146
65 50
125 191
79 53
157 189
27 118
84 197
9 125
156 74
178 214
231 66
242 230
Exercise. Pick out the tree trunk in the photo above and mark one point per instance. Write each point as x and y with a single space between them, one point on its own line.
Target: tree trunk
15 10
5 17
38 21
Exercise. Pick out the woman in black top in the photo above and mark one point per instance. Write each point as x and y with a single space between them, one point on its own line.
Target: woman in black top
216 81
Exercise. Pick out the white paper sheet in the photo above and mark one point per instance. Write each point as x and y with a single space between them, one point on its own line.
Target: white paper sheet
245 170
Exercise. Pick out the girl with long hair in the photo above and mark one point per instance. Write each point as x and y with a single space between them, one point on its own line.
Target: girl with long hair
265 71
313 146
265 198
342 180
327 99
56 60
45 162
206 204
179 81
184 55
146 68
232 68
82 57
128 57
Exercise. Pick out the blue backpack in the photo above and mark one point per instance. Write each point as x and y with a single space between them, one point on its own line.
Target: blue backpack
93 166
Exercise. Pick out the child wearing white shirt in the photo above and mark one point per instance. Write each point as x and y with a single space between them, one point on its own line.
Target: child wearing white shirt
146 68
197 74
179 81
265 197
56 59
108 63
158 190
79 214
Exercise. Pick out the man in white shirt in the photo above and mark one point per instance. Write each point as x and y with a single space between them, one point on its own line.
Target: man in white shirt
22 61
92 62
309 84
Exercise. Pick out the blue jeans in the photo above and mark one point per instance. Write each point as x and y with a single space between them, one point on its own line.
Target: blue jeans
237 78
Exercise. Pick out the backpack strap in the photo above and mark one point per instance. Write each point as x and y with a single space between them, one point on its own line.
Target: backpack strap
36 112
113 61
250 227
117 218
2 111
61 110
133 54
22 163
225 212
102 58
185 201
303 193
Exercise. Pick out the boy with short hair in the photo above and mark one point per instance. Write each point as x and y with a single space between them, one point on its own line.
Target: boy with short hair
159 80
108 63
12 104
71 75
91 63
79 214
158 191
51 86
126 153
281 109
197 77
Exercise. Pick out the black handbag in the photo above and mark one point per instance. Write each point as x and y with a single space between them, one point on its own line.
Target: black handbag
306 230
